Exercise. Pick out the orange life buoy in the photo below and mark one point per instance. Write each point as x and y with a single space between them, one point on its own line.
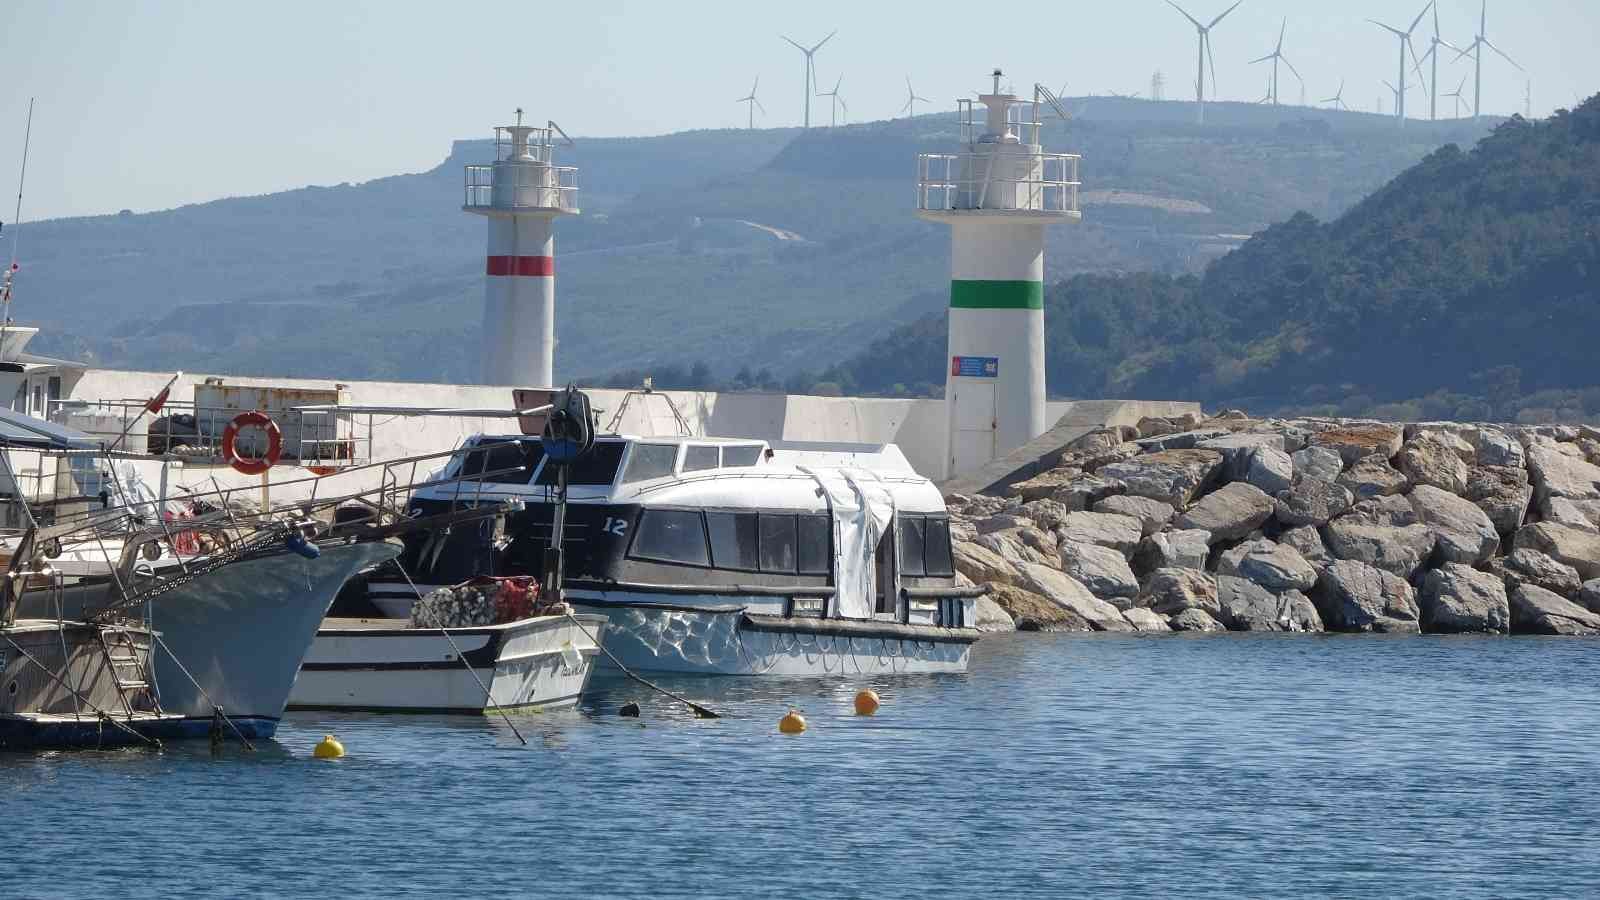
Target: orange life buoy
252 466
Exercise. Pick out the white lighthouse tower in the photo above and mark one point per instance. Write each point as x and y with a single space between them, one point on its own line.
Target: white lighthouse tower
522 193
997 195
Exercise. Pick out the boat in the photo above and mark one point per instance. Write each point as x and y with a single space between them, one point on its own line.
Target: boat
718 556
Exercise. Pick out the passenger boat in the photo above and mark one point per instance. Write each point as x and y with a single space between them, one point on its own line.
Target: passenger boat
718 556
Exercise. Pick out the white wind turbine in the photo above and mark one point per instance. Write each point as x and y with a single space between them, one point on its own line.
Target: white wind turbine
1405 42
811 71
1434 44
1204 32
1277 56
835 101
751 103
911 100
1480 41
1338 99
1457 95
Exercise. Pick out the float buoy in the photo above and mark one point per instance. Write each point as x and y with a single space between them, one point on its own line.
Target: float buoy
792 723
629 710
230 439
867 703
328 748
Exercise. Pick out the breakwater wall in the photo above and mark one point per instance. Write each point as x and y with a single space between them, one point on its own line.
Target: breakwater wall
1310 524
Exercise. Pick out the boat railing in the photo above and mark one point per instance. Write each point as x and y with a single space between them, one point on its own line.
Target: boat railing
185 429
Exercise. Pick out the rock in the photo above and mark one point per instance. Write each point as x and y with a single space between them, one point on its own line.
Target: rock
1034 612
1317 462
1171 476
1589 594
1002 522
1171 591
1153 515
1496 448
1578 549
1182 440
1065 591
981 564
1231 511
1236 450
1195 620
1083 491
1046 514
1121 533
1307 541
1273 566
1571 513
1458 438
1535 610
1463 531
1010 546
1311 501
1429 460
1369 534
1457 599
1296 612
1503 493
1354 596
992 617
1102 570
1524 566
1247 606
1096 441
1555 474
1355 442
1270 470
1155 426
1045 483
1373 477
1145 620
1174 549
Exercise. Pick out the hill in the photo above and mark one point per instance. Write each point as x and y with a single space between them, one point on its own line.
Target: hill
768 248
1466 288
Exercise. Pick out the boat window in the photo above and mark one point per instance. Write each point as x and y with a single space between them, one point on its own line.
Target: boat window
698 457
777 543
741 455
596 468
513 460
650 461
815 546
671 535
911 530
733 540
937 546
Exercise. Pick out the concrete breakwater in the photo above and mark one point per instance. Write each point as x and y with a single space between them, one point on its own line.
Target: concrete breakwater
1305 524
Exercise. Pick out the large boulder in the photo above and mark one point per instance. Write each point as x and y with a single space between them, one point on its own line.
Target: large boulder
1312 501
1120 533
1035 612
1535 610
982 565
1153 515
1589 595
1246 606
1269 469
1146 620
1171 591
1195 620
1307 541
1002 522
1354 596
1171 476
1524 566
1463 531
1174 549
992 617
1556 474
1354 442
1317 462
1297 612
1102 570
1237 449
1065 591
1382 532
1496 448
1274 566
1232 511
1578 549
1429 460
1045 514
1083 491
1045 483
1579 514
1373 477
1019 545
1180 440
1502 492
1457 599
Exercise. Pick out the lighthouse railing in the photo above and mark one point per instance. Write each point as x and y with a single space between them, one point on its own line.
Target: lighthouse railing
531 185
1026 182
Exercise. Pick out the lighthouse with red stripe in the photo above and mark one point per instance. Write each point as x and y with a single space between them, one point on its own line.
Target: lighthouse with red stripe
522 193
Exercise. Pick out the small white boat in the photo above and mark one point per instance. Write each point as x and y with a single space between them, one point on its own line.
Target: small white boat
390 665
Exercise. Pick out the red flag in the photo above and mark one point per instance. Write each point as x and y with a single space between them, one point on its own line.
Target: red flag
158 400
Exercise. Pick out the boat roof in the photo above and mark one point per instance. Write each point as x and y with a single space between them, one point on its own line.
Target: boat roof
31 432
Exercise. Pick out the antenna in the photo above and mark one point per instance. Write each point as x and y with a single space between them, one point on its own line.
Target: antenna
16 229
557 129
1040 90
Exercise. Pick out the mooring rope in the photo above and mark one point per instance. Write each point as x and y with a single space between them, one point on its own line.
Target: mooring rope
215 709
699 711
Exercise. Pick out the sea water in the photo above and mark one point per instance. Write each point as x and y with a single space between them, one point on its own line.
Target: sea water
1061 765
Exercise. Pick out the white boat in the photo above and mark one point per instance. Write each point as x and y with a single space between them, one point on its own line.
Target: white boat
389 665
723 556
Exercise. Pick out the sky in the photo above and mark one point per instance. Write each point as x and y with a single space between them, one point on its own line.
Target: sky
151 104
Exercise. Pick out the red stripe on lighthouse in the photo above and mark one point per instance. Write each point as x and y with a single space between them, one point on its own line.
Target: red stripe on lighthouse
522 265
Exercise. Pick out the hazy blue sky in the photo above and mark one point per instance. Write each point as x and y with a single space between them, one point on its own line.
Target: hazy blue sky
149 105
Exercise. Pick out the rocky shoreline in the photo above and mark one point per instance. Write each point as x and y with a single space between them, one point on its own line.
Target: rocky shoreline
1310 524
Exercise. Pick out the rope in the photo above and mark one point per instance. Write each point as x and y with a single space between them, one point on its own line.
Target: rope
215 709
101 714
699 711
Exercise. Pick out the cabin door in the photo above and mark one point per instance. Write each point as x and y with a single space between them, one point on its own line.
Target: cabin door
884 591
974 432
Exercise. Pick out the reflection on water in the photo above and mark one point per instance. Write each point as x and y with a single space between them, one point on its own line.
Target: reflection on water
1115 766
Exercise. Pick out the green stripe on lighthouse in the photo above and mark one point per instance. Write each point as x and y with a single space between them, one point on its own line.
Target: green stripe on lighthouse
997 295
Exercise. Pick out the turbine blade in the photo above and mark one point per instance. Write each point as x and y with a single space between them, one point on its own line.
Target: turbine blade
1186 15
1438 41
1223 16
1395 31
824 40
837 82
1281 29
1213 60
1292 69
1263 59
1417 19
792 43
1470 47
759 106
1416 64
1502 55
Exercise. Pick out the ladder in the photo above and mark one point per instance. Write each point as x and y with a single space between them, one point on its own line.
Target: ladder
130 675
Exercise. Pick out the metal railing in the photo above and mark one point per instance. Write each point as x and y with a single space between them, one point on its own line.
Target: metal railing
1003 179
183 429
531 184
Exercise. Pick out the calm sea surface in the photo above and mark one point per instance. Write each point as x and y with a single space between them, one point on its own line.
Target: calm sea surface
1061 765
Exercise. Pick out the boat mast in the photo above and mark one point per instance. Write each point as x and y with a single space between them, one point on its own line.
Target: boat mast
16 231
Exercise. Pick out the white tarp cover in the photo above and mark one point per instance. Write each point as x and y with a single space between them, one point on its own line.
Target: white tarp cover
863 512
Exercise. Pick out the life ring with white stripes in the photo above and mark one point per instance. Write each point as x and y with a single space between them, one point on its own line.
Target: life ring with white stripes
252 465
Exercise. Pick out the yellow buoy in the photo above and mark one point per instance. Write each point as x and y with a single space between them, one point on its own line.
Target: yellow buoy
792 723
328 748
867 703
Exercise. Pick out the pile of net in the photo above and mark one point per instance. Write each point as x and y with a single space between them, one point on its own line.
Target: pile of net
481 601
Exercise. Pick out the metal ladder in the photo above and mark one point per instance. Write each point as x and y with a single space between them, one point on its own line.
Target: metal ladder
127 672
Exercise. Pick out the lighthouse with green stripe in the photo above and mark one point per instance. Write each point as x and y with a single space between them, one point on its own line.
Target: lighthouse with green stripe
998 195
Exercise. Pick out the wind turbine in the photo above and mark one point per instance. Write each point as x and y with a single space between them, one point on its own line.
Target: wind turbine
751 103
1204 32
1277 56
1338 99
911 100
1457 94
811 72
1433 51
1405 41
1267 97
1476 49
834 103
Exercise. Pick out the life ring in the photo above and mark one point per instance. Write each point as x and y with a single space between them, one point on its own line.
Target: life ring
252 466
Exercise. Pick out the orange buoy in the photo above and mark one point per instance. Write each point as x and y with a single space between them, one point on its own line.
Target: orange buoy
867 703
792 723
